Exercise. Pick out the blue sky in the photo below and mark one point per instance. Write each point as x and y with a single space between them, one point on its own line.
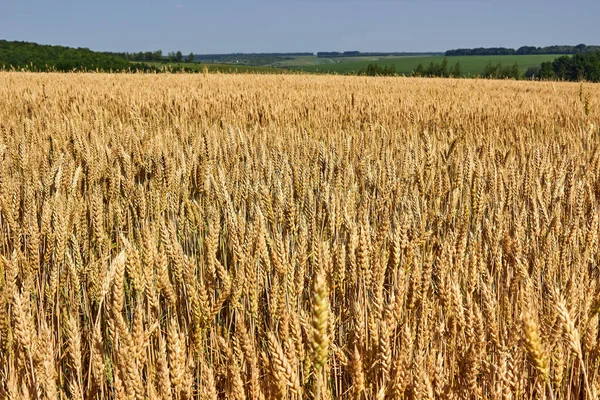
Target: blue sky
225 26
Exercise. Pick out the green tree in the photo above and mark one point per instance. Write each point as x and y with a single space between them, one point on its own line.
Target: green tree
491 71
546 71
419 71
433 69
456 70
376 70
513 72
190 57
178 56
443 72
533 73
561 67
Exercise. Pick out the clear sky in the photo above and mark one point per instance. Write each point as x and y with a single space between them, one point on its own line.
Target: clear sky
225 26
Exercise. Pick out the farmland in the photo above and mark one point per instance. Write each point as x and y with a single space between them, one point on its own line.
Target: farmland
28 56
298 236
470 65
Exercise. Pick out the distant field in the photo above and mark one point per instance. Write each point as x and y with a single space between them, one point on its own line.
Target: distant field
225 68
308 61
303 61
470 65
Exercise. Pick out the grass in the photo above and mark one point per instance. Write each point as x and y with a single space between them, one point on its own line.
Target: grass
470 65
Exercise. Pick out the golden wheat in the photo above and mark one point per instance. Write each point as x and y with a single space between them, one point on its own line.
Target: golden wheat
239 236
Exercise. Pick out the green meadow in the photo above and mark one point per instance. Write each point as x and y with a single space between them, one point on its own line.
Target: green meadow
470 65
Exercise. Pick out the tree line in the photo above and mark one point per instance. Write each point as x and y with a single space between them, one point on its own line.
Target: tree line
433 70
140 56
33 56
523 50
440 70
28 56
376 70
580 67
490 71
43 58
499 71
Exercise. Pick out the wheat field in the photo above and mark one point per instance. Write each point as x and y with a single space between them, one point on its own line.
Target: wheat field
257 237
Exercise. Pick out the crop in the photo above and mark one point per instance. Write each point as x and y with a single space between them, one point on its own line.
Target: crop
238 236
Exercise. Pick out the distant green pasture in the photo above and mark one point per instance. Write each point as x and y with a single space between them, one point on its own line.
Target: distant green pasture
470 65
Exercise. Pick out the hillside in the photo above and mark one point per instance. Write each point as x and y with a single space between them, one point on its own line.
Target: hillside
38 57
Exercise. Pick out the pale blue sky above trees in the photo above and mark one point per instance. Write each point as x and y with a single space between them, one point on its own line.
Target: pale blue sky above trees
225 26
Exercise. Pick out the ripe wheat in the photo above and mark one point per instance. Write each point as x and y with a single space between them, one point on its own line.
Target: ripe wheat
239 236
